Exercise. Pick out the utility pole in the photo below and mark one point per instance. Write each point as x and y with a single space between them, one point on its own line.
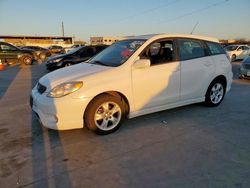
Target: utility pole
62 29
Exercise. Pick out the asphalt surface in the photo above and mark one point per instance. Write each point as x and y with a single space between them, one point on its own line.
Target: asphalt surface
192 146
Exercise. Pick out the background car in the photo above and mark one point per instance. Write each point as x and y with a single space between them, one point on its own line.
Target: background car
40 53
56 49
237 51
67 49
75 56
244 71
11 54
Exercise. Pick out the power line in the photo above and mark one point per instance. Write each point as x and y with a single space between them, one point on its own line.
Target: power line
148 10
195 11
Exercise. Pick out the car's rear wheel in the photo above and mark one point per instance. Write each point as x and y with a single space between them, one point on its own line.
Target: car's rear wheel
27 60
215 93
233 57
104 114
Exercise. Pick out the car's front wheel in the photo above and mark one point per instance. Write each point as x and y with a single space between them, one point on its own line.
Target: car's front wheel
27 60
104 114
42 56
233 57
215 93
67 64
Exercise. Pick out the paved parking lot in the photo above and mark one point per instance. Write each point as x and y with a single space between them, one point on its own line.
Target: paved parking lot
192 146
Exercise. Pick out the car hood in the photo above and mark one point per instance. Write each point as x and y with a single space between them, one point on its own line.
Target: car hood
27 50
57 57
71 73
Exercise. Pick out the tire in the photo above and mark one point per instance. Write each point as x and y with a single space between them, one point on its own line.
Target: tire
233 57
42 56
215 93
27 60
67 64
104 114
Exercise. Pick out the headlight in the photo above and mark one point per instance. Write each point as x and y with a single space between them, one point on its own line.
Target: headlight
56 60
64 89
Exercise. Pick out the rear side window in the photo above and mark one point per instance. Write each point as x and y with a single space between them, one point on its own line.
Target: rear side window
215 48
190 49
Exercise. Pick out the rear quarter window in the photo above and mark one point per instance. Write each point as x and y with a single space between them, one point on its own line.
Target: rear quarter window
215 48
190 49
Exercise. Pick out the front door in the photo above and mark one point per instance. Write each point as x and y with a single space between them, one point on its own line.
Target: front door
158 84
8 52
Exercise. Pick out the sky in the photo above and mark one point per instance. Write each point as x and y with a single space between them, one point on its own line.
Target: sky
223 19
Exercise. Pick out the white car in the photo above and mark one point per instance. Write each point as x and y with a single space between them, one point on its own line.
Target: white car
68 49
237 51
133 77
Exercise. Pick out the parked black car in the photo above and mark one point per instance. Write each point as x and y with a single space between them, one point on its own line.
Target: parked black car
75 56
56 49
39 52
11 54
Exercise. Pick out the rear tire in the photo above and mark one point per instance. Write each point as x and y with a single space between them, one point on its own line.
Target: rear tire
215 93
104 114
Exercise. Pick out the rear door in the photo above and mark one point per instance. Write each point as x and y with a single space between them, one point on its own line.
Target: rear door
197 68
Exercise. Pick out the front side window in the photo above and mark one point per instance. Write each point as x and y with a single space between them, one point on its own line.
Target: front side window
159 52
231 48
190 49
215 48
118 53
5 47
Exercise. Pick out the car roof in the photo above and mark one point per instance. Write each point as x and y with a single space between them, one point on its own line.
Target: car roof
159 36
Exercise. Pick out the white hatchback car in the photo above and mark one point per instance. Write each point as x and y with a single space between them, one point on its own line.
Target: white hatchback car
133 77
237 51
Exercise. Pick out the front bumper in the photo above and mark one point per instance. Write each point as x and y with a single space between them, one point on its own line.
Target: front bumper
244 73
59 113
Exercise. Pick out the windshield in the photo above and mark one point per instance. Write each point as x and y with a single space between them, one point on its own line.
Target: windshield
74 50
231 48
118 53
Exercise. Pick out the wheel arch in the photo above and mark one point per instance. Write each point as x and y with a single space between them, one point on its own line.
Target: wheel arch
118 94
221 78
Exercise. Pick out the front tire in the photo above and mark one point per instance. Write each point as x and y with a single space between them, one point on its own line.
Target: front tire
27 60
215 93
233 57
104 114
67 64
42 56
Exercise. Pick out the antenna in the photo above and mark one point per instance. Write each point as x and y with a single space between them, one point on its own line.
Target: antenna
194 28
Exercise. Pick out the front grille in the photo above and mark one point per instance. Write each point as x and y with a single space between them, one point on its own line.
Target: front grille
247 66
41 88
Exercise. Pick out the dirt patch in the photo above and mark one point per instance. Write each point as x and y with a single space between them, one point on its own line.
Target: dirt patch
15 145
4 131
10 165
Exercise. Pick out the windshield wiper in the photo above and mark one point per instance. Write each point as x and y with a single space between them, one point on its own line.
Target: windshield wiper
99 63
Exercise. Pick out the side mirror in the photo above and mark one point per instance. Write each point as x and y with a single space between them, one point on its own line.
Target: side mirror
142 63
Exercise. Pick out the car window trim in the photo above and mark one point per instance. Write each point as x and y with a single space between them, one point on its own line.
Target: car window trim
175 50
